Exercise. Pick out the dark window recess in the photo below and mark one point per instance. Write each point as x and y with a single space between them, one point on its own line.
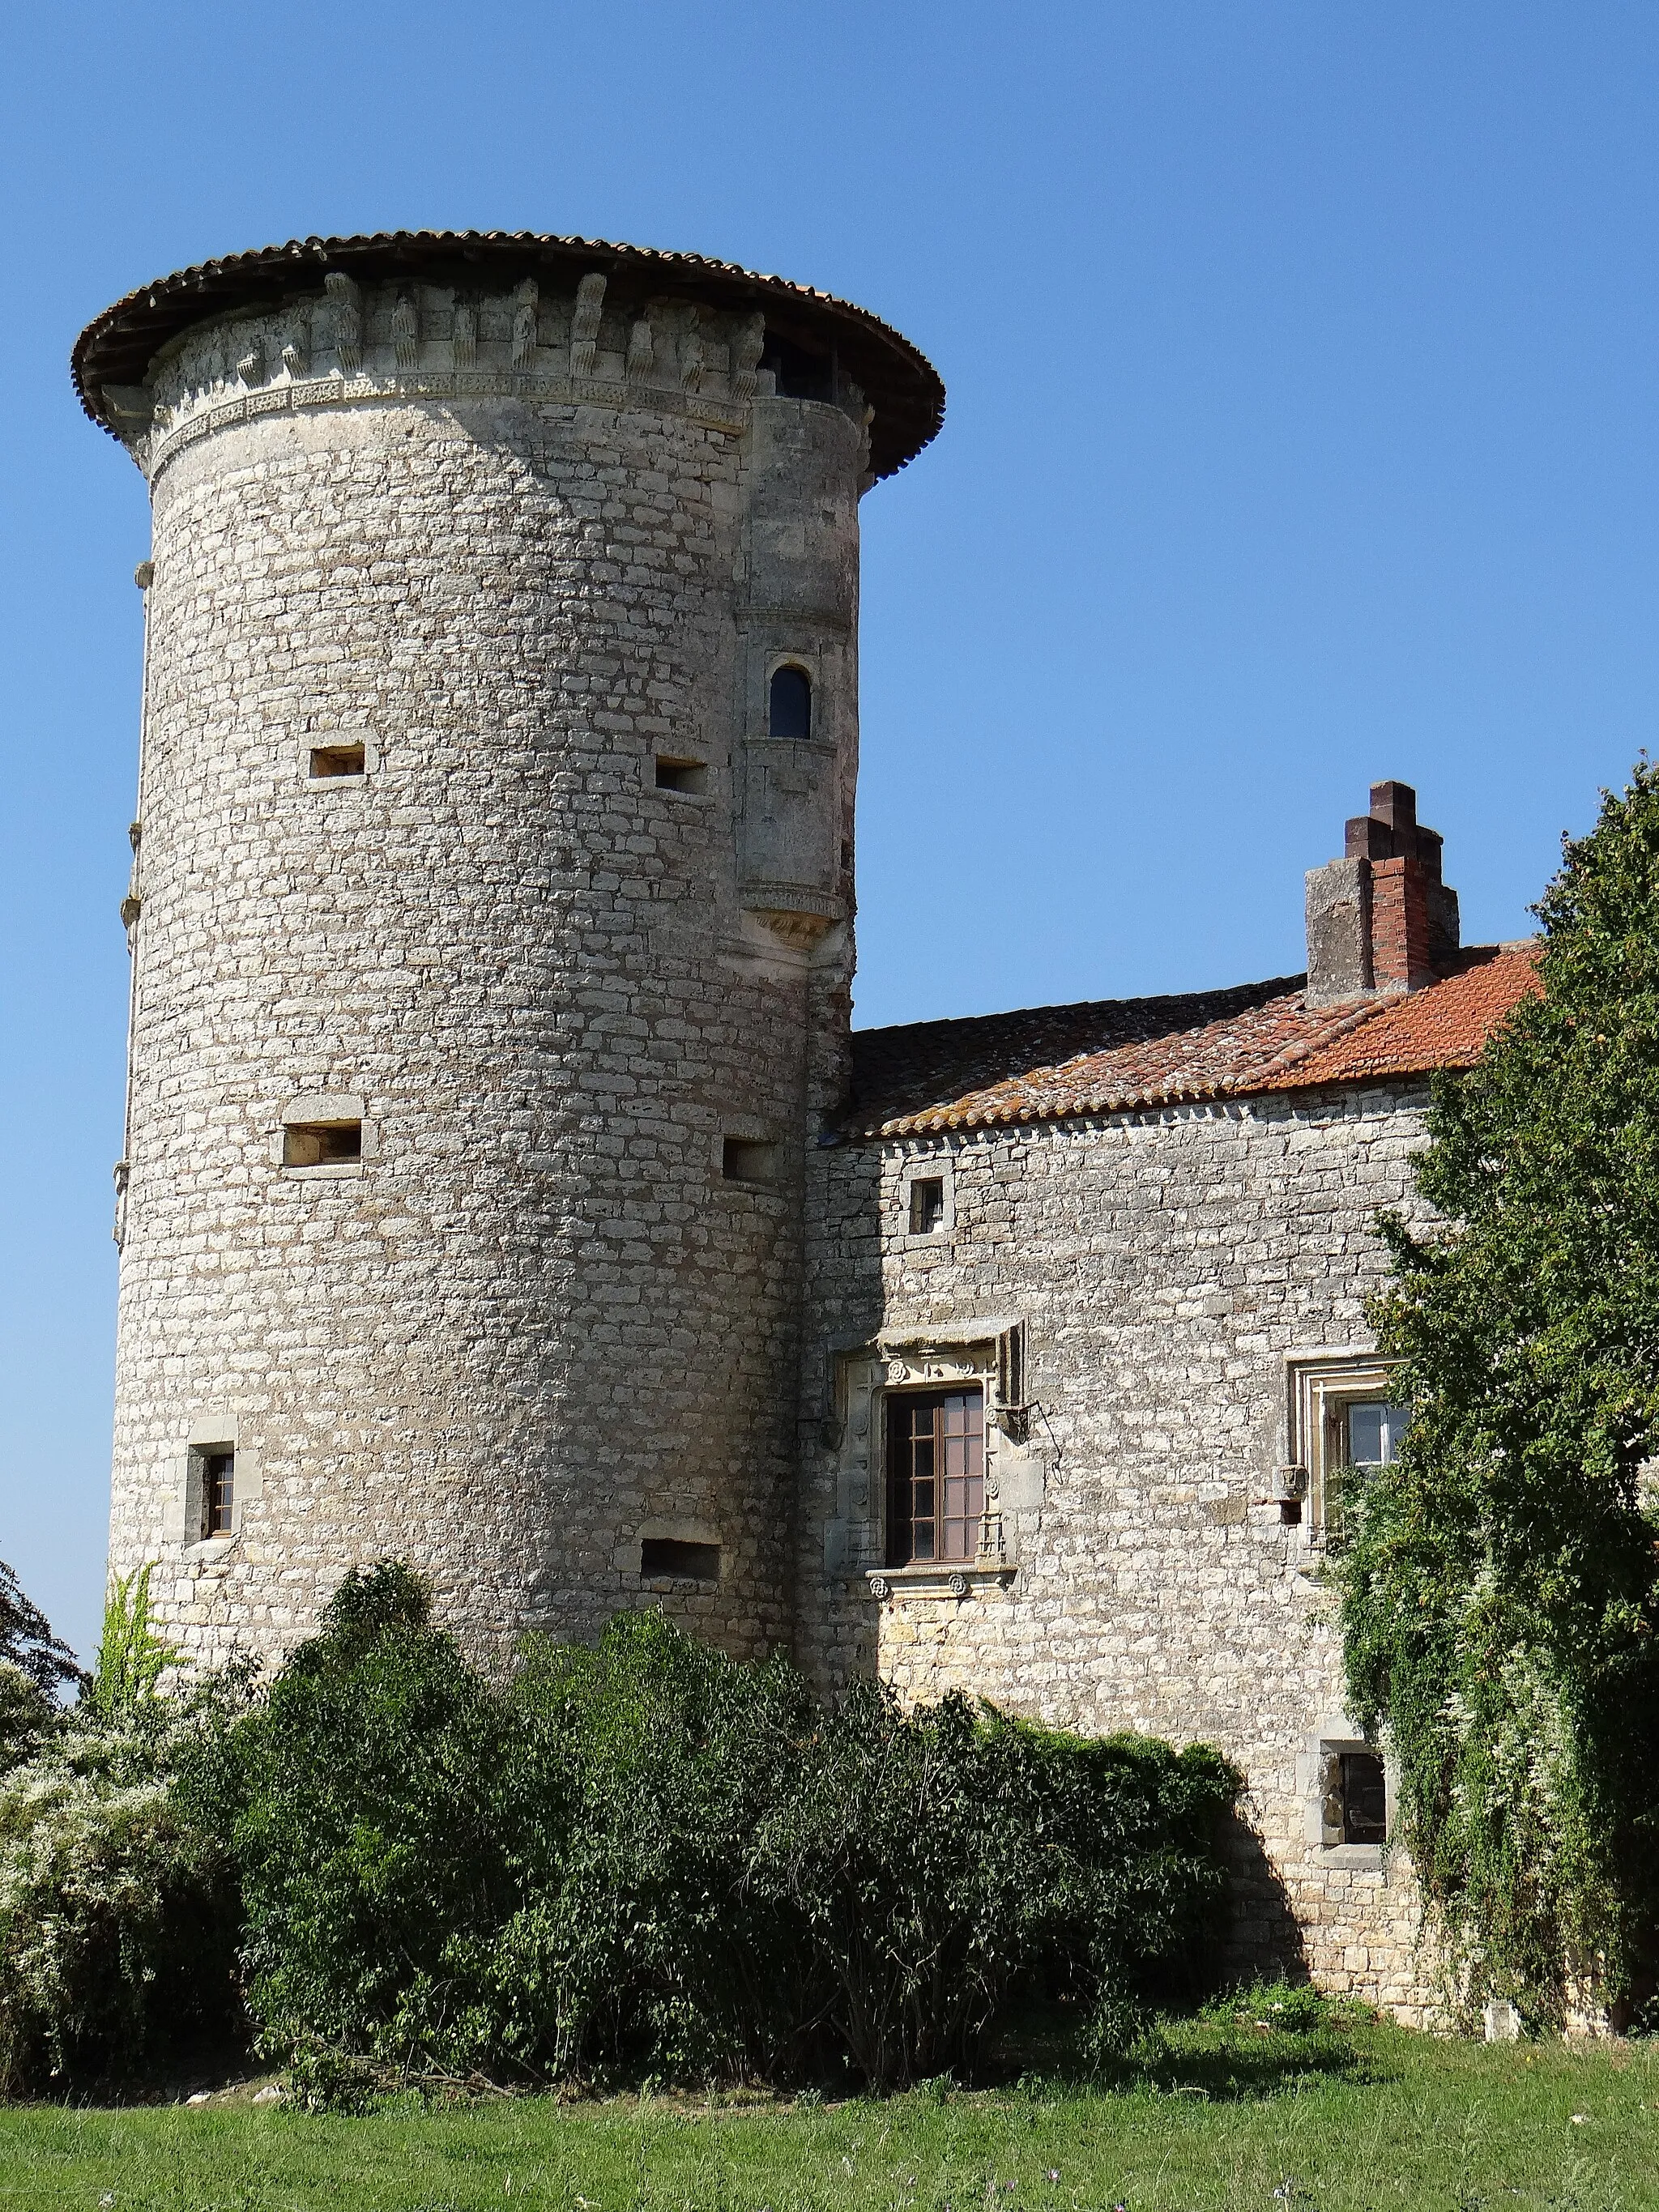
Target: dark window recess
789 709
321 1144
218 1489
1356 1798
799 374
672 1557
935 1476
687 775
743 1160
926 1205
336 760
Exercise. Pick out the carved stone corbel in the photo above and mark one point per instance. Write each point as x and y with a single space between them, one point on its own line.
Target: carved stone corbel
584 324
466 334
746 350
524 298
691 352
405 332
345 321
641 350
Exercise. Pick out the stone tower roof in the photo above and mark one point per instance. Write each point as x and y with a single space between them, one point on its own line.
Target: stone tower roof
817 332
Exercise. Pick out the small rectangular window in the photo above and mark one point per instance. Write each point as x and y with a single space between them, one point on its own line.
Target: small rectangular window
935 1475
321 1144
671 1558
1356 1809
744 1160
688 776
218 1463
336 760
926 1205
1375 1432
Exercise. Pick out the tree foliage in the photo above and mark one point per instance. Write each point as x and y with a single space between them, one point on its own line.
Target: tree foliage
35 1668
1500 1590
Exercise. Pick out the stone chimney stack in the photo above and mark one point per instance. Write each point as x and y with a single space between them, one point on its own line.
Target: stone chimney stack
1380 920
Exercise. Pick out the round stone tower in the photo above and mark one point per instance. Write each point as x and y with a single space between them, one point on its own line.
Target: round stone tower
490 918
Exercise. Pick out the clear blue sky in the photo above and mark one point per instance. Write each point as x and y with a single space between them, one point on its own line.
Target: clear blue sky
1302 431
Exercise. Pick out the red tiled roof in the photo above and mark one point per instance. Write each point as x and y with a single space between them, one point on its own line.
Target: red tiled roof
1111 1055
1443 1026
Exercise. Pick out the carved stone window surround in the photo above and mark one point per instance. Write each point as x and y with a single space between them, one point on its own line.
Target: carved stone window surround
953 1580
861 1377
182 1511
1316 1382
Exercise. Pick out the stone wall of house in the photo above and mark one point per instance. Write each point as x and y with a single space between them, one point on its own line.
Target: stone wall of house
1155 1274
519 551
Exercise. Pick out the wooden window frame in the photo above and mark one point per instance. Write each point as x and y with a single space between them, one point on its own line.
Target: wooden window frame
905 1485
217 1462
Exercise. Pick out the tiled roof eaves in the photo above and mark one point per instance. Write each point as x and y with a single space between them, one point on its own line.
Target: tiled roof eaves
965 1114
1416 1035
118 345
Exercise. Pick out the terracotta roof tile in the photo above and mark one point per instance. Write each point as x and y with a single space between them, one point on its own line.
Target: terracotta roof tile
1111 1055
1443 1026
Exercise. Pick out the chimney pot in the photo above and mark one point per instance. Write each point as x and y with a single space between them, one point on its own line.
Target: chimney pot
1395 804
1380 918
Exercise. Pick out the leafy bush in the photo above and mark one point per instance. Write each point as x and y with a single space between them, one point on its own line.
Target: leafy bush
118 1915
1500 1590
377 1798
648 1855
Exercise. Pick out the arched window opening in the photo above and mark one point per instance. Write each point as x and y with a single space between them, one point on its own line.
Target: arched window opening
791 712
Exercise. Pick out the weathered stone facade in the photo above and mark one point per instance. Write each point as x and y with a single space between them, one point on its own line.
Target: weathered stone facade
505 1190
1165 1269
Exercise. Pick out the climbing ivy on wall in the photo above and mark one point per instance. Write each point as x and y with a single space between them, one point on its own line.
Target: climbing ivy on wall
1499 1591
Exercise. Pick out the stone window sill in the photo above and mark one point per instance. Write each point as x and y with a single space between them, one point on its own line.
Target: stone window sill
1351 1855
337 782
954 1579
326 1172
209 1548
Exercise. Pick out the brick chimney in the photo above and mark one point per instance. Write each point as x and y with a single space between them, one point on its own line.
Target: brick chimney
1380 920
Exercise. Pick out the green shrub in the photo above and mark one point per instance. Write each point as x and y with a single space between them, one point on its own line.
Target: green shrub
375 1802
649 1856
118 1915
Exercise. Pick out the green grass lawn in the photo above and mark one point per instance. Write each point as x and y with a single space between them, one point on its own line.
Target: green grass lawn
1358 2114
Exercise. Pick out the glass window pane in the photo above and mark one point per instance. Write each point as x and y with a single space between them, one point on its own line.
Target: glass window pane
1365 1434
791 704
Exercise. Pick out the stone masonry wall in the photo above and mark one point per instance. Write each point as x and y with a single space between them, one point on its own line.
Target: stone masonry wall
1164 1267
535 1319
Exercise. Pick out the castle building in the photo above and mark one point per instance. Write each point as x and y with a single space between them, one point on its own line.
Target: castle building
505 1188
